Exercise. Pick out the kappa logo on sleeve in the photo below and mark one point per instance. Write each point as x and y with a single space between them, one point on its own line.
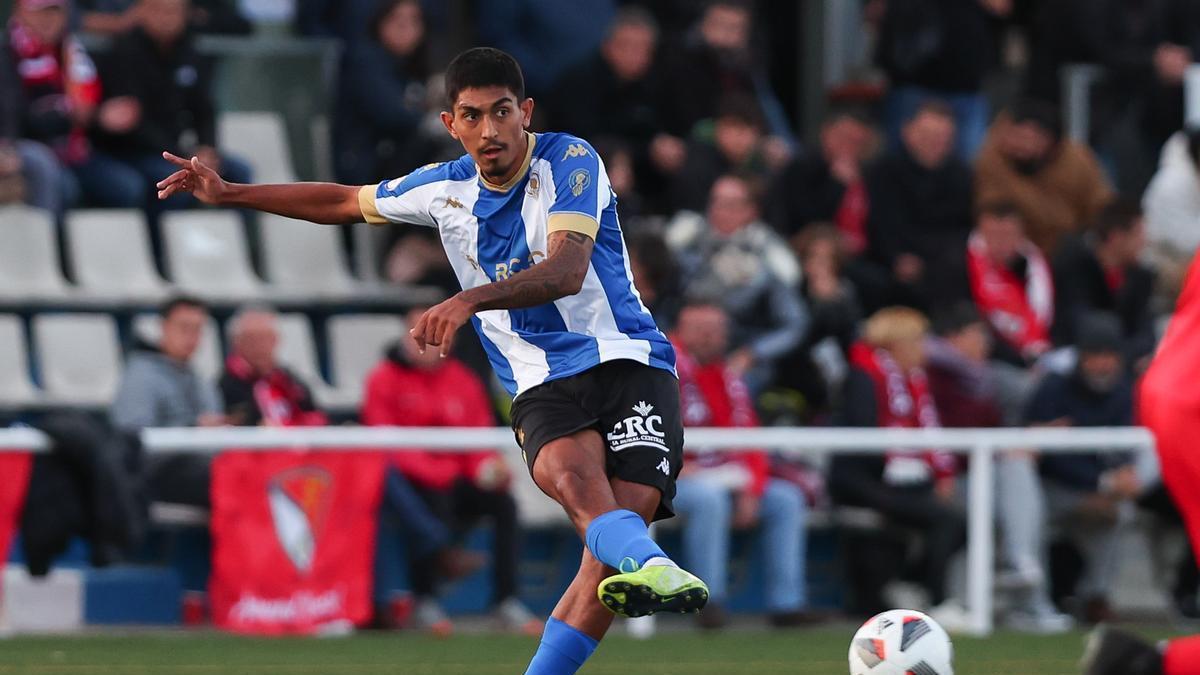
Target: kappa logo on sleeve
576 150
642 429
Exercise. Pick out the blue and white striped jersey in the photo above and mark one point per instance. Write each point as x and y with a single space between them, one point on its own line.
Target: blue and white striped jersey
491 232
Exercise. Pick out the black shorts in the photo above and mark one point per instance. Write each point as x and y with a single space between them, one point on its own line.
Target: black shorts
634 407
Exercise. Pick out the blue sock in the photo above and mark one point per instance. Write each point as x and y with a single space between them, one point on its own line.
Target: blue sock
562 651
620 536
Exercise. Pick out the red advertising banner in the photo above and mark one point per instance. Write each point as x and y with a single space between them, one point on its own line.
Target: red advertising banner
293 539
14 482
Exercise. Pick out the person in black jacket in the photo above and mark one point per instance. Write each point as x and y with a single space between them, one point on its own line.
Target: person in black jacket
1085 492
920 215
157 65
1102 272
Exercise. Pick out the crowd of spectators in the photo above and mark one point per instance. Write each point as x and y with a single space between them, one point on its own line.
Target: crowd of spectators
940 254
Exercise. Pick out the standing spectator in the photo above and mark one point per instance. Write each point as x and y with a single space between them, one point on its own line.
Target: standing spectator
1087 494
715 62
719 493
157 68
411 388
941 49
545 36
58 96
828 186
1102 272
257 390
1172 205
887 387
736 147
382 99
159 388
732 255
1056 183
920 213
970 392
1011 283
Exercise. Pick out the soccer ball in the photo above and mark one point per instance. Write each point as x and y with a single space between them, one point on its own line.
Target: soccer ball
901 642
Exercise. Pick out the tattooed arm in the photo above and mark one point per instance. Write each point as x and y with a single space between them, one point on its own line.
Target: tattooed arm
559 275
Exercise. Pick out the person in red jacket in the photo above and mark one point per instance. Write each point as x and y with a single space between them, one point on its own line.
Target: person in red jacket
718 492
412 389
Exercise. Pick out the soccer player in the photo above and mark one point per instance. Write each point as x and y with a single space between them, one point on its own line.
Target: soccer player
1169 404
529 223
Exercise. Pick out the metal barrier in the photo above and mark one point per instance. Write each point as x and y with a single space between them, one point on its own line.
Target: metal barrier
980 445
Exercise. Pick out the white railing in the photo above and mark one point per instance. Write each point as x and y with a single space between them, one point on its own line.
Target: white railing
980 445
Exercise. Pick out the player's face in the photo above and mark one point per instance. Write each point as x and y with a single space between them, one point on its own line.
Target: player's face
490 123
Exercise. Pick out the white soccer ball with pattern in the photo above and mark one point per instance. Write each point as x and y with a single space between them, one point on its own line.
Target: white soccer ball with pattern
901 642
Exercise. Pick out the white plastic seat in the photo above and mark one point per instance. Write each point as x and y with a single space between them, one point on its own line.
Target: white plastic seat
78 358
110 255
207 361
16 387
29 266
356 344
261 139
207 255
304 260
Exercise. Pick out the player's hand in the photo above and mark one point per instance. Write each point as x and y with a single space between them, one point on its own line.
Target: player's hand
438 324
195 177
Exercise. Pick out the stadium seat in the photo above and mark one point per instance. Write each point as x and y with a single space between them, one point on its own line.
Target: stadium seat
261 139
305 261
16 388
207 360
110 255
78 358
208 257
356 345
29 267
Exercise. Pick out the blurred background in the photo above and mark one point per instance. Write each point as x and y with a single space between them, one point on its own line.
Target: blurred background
918 213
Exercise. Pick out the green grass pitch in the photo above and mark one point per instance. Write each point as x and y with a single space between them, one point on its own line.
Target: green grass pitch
813 652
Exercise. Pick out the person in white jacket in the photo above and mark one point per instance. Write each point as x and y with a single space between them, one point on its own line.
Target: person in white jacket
1172 207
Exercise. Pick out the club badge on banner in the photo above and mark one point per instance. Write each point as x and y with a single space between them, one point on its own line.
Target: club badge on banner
293 539
15 469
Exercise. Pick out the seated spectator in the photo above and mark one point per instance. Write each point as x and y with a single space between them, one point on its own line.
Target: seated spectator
732 255
544 36
713 63
1011 283
1102 272
722 492
736 146
29 171
1085 492
169 86
159 388
886 387
256 388
410 388
827 185
951 67
969 392
382 98
114 17
1172 205
920 214
1056 183
57 94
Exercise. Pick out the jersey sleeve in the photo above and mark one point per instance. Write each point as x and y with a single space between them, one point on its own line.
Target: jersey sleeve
581 188
401 200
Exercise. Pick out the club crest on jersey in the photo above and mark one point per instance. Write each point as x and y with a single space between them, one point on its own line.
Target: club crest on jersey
642 429
579 180
299 499
531 188
576 150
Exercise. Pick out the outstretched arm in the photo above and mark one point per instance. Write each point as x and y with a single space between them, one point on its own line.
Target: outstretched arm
559 275
327 203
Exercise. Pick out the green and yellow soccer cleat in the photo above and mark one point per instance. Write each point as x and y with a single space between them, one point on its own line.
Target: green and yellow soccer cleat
653 589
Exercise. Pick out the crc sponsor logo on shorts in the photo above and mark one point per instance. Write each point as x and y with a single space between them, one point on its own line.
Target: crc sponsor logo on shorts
642 429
